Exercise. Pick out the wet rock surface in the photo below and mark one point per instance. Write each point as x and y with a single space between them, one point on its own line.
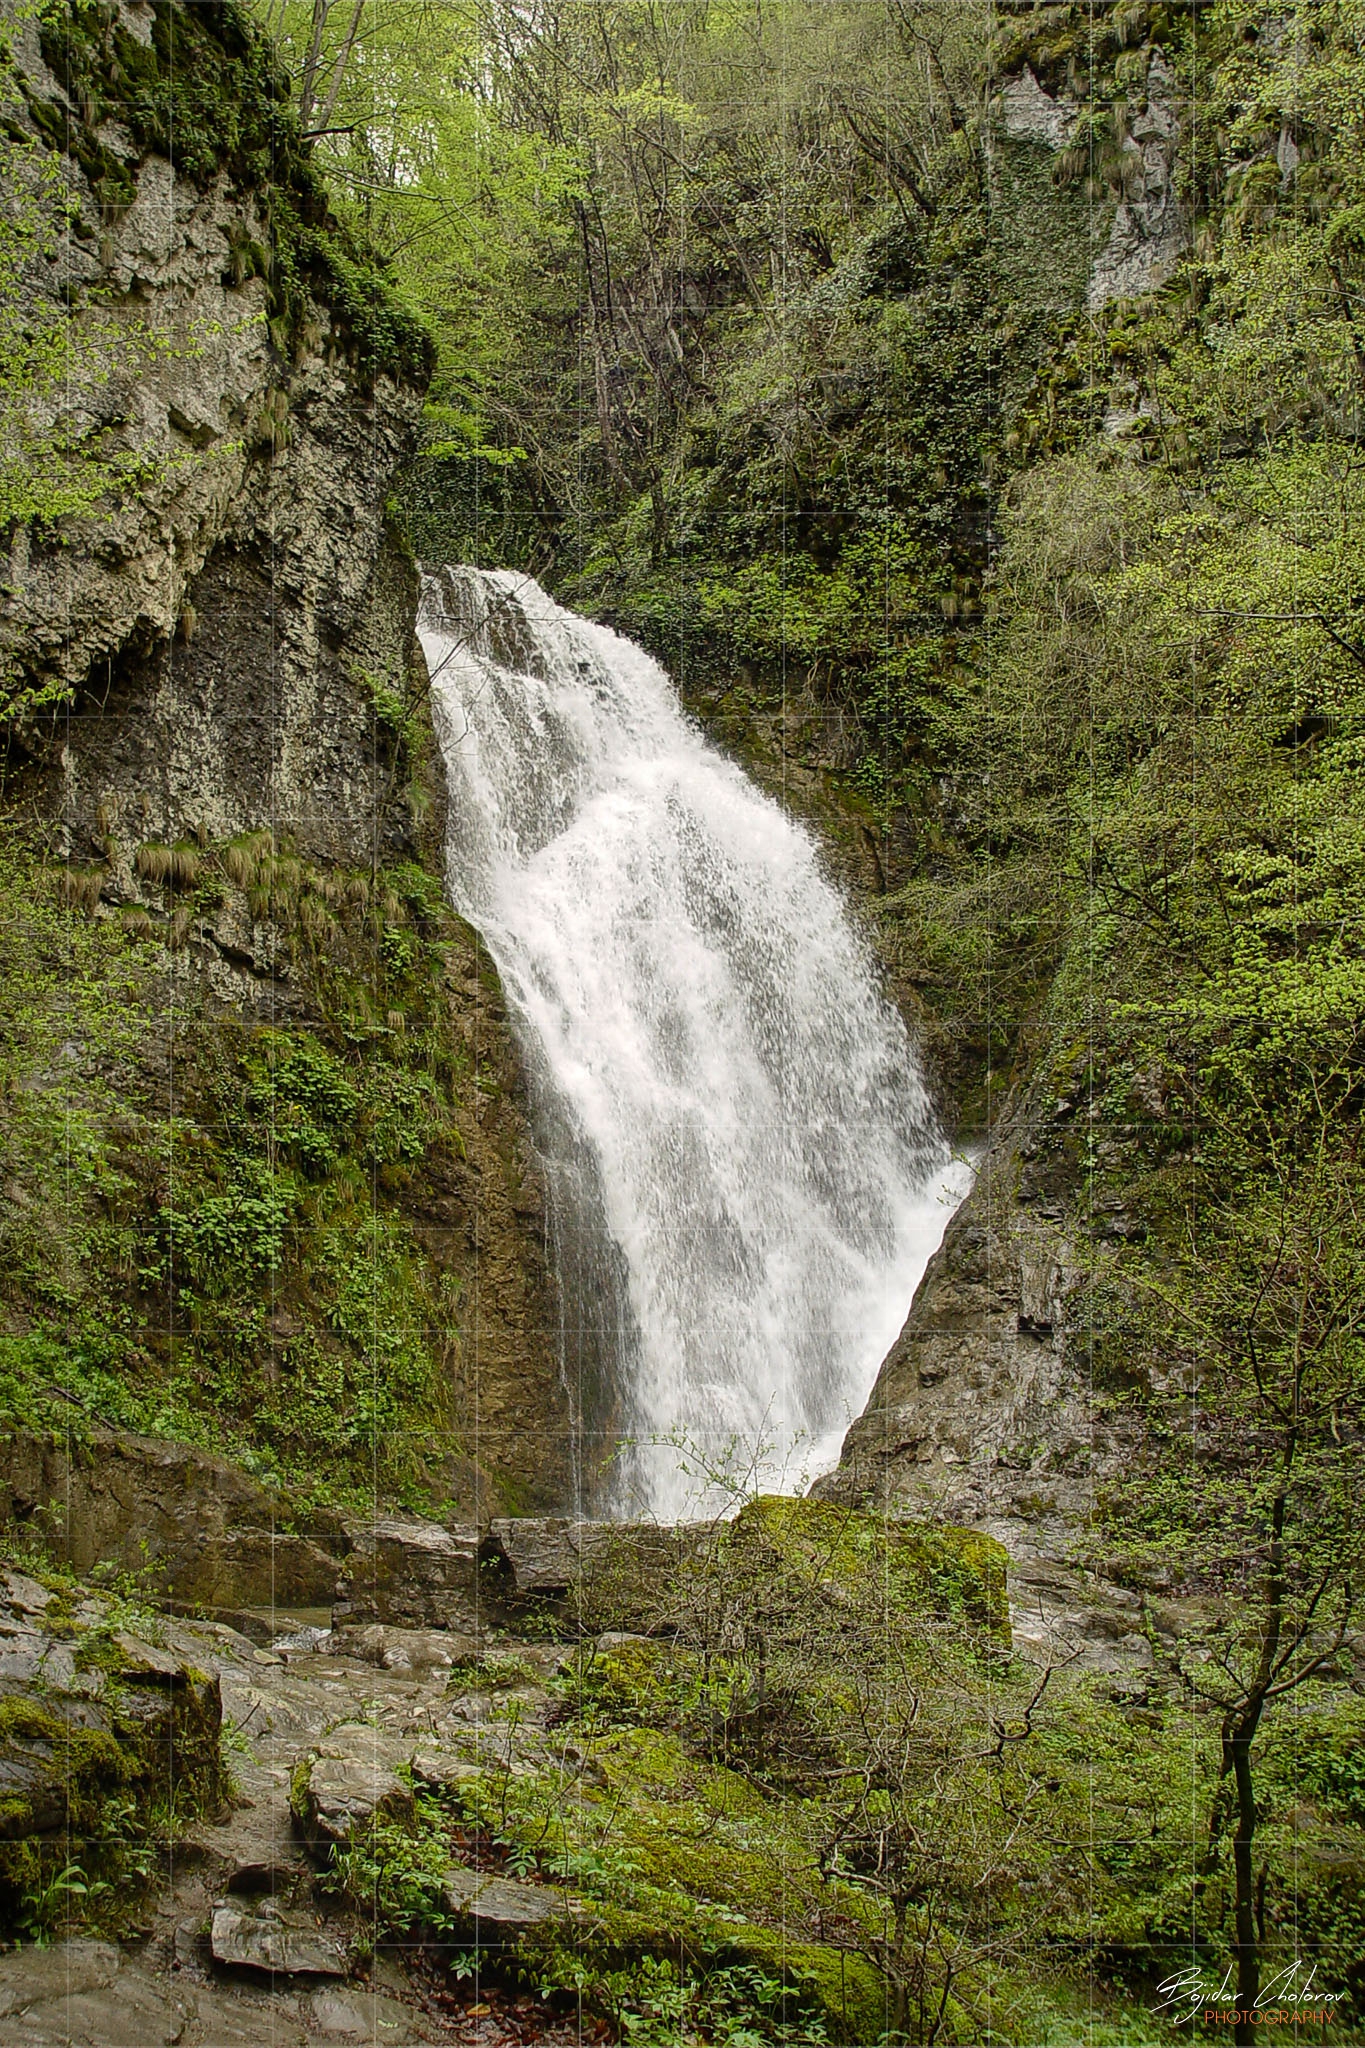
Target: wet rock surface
984 1412
90 1710
368 2016
242 1946
266 1938
403 1649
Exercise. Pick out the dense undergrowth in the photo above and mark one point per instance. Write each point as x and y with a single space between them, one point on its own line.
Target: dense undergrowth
205 1236
827 1803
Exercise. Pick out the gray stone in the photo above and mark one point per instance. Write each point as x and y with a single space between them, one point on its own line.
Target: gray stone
1027 114
497 1907
1150 234
412 1574
445 1770
263 1938
601 1573
84 1994
982 1412
37 1976
218 2024
403 1649
200 1523
366 2016
147 1662
348 1783
25 1595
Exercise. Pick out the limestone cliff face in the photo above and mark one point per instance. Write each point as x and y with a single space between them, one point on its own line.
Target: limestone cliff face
987 1408
210 621
236 774
1148 229
982 1410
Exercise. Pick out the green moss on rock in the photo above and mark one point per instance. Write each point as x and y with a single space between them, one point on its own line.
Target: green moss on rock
95 1762
207 94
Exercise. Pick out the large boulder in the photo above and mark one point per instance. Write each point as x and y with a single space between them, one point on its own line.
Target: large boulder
349 1782
411 1650
590 1575
208 1533
411 1573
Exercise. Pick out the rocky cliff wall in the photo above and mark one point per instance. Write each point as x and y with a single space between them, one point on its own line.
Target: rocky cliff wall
224 833
992 1408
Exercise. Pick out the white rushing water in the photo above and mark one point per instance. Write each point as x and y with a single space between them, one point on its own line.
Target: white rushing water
746 1176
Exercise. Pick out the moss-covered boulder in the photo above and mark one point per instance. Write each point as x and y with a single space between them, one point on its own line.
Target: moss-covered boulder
583 1578
918 1568
106 1739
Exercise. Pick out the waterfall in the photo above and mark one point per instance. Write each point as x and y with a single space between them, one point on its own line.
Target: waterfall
746 1176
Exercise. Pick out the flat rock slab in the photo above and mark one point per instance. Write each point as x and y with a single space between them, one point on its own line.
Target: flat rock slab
403 1649
281 1944
19 1591
497 1906
148 1662
365 2016
349 1783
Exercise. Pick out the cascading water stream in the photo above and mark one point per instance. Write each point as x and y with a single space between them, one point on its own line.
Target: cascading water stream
746 1175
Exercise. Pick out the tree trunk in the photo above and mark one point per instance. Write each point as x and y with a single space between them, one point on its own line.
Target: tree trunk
1246 1946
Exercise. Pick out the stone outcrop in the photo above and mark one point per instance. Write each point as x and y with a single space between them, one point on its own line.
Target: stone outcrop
496 1908
205 1530
412 1573
585 1573
91 1713
1025 113
403 1649
1149 233
221 636
985 1411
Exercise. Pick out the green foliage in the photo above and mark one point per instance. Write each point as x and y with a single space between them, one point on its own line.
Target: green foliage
207 93
240 1274
393 1874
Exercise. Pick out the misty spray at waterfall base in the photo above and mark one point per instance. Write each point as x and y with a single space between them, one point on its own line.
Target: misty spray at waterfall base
746 1176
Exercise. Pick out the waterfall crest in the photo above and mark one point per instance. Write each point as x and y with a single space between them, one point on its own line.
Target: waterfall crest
745 1170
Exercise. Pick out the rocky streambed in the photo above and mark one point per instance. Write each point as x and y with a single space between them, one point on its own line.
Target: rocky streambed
535 1782
119 1810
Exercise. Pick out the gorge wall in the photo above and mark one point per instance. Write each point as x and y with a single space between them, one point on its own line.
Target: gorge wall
226 785
307 1222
